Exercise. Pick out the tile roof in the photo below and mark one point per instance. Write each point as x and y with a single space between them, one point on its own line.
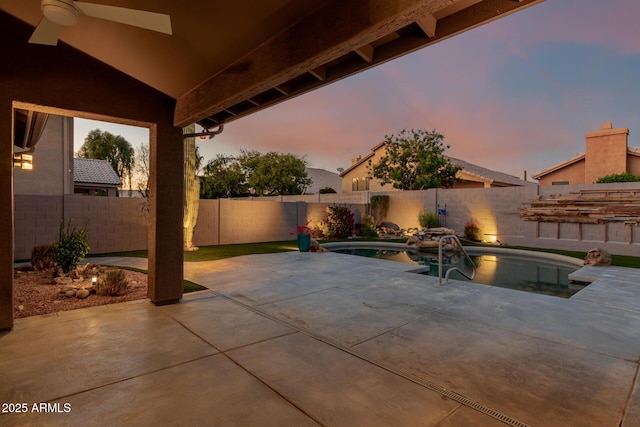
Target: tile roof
488 174
323 178
494 176
93 171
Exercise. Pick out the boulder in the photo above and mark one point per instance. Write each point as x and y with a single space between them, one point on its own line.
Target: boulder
63 280
597 256
390 225
315 247
82 293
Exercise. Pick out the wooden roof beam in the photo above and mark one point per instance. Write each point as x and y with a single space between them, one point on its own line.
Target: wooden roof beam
330 32
319 73
428 24
365 52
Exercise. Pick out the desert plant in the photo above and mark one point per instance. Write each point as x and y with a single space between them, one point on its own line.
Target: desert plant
368 228
472 230
338 224
114 283
379 207
42 257
428 219
72 246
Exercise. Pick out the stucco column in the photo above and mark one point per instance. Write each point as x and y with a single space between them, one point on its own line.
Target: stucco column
166 158
6 217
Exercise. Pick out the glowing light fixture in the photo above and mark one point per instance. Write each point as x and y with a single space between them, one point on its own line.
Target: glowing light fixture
23 161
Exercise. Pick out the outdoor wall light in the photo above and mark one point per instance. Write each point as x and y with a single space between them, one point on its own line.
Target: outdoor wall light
23 161
205 134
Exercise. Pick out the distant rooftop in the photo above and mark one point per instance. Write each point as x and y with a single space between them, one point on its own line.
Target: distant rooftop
495 176
93 171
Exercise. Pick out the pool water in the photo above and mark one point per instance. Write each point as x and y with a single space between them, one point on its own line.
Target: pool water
505 271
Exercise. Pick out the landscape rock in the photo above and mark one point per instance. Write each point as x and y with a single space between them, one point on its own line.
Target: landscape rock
315 247
70 293
63 280
82 293
597 256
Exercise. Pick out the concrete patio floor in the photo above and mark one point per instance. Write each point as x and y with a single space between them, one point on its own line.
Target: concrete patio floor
296 339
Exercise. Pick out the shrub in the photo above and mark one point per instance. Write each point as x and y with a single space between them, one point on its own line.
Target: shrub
114 283
379 207
327 190
472 230
618 177
368 228
338 224
428 219
42 257
72 246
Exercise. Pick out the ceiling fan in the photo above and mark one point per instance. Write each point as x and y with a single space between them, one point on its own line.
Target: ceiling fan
65 12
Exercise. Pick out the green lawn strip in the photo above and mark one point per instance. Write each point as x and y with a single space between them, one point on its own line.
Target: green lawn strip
212 253
188 286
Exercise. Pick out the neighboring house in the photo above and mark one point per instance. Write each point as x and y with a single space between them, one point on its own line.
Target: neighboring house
50 144
321 179
92 175
606 153
356 177
49 141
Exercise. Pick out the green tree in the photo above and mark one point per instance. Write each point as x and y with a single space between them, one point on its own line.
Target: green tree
274 174
113 148
414 160
618 177
142 167
223 177
270 174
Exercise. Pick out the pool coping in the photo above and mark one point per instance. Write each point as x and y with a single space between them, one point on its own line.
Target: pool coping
472 250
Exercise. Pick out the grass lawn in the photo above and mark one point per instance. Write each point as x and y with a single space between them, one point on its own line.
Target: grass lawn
212 253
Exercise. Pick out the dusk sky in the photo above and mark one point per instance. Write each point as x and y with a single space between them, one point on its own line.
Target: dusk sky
516 94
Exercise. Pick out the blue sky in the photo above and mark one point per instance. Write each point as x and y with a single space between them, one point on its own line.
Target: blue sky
516 94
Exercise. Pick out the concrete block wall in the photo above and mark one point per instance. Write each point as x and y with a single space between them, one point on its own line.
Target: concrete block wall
114 223
37 222
404 206
496 209
120 224
247 221
207 232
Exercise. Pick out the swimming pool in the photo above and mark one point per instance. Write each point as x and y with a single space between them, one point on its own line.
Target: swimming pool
521 270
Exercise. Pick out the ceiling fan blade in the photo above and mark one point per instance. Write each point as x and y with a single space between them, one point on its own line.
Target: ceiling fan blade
137 18
46 33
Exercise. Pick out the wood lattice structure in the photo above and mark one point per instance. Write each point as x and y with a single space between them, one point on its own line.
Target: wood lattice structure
587 207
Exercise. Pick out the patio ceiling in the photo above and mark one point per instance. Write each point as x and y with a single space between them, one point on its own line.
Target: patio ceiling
227 59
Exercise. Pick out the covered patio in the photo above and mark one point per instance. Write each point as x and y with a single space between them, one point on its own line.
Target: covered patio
218 65
331 339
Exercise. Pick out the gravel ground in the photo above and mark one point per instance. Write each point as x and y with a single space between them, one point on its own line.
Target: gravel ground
36 293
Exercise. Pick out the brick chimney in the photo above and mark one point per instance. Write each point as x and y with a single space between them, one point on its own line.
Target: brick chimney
355 160
606 152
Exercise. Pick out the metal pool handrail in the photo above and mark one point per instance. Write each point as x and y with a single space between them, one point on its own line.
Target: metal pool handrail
446 277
